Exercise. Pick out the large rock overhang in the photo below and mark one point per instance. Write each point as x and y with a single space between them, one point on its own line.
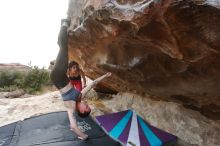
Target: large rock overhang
168 49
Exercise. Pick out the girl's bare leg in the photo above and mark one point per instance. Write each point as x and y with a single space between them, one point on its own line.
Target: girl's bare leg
93 84
71 106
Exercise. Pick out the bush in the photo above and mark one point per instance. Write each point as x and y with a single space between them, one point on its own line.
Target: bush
7 78
30 81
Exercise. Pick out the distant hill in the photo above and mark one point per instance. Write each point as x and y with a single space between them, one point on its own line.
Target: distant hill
13 67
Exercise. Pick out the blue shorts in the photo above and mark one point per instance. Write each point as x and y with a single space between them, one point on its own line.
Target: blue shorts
72 94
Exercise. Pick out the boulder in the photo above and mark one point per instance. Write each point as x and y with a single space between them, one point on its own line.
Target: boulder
15 94
168 49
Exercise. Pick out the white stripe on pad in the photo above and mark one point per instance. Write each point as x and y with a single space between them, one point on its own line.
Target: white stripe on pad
133 138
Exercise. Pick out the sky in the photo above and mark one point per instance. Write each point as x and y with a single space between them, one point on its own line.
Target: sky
29 30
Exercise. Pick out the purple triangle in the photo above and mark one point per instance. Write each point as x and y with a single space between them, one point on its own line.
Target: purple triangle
162 135
109 121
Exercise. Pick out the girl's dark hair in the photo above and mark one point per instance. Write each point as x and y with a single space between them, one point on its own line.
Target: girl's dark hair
84 115
72 63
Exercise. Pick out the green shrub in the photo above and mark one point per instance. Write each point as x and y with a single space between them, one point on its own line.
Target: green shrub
30 81
7 78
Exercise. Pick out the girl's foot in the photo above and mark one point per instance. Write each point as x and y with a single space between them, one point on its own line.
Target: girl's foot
67 20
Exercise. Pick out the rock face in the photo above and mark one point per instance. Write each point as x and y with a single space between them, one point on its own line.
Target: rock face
168 49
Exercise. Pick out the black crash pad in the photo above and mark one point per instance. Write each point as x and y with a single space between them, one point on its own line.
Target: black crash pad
53 130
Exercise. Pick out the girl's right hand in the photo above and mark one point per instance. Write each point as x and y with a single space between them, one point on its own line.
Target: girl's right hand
85 137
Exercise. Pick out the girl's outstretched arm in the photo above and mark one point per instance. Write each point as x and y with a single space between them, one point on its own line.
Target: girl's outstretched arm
93 84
